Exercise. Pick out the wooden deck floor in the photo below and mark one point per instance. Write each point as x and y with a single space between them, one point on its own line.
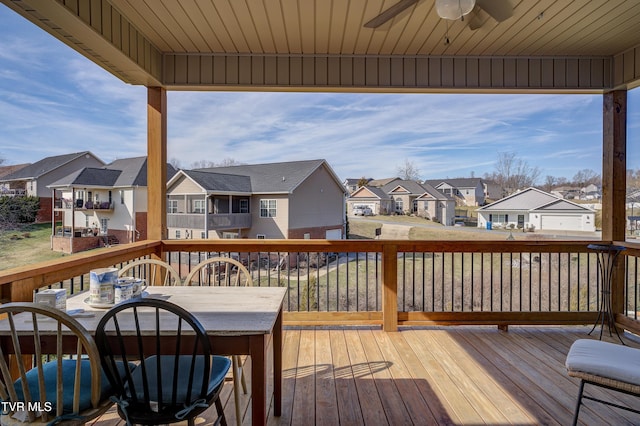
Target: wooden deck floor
436 376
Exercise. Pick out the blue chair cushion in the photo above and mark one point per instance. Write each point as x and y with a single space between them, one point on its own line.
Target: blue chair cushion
219 368
50 370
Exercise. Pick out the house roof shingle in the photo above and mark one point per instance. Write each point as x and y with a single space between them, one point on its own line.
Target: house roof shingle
45 165
532 199
456 182
269 178
122 173
6 170
212 181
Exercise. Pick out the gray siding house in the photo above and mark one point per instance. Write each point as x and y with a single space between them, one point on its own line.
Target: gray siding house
534 209
33 179
298 199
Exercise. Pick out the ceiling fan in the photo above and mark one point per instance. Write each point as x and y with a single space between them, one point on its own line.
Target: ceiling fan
453 10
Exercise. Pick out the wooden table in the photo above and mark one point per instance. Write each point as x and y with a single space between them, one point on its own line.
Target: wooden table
240 321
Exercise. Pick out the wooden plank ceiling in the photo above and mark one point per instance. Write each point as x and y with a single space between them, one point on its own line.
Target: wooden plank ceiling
191 43
335 27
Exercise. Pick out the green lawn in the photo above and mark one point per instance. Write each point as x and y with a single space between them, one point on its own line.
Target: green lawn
30 244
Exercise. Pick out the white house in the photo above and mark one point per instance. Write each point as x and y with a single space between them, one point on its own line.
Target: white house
102 205
534 209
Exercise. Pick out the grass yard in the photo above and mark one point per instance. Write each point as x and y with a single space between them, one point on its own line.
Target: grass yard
367 230
30 244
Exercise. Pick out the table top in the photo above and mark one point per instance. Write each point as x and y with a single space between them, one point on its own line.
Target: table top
220 310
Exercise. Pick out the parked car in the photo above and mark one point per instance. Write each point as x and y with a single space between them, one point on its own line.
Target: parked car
362 211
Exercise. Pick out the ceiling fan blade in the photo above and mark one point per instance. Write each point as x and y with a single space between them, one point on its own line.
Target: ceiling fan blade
390 13
498 9
476 18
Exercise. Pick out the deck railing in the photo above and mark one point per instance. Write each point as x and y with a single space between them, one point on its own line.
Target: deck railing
385 282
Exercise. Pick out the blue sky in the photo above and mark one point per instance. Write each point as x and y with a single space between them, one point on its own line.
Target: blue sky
54 101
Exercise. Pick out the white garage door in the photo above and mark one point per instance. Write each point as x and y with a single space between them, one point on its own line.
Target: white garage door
561 222
333 234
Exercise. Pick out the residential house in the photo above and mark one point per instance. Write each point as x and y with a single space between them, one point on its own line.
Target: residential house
405 197
352 184
6 188
35 178
534 209
468 191
298 199
372 197
567 192
493 191
590 192
379 183
102 205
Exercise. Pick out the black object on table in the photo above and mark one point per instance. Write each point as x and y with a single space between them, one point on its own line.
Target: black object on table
607 257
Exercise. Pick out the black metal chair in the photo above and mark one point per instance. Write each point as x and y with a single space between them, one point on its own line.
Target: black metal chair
177 377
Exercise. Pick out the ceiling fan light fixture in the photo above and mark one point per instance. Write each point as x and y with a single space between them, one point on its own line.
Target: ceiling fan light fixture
454 9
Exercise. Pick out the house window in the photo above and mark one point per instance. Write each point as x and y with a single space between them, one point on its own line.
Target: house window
198 206
230 235
203 235
172 206
177 233
121 196
267 208
399 204
499 218
104 225
261 236
415 206
244 206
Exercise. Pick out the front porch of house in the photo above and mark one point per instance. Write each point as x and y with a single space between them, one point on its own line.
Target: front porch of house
434 376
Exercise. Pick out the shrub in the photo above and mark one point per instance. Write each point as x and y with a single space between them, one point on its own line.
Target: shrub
18 210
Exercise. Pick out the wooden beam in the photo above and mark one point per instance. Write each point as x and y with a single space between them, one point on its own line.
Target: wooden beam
156 163
390 288
614 184
614 165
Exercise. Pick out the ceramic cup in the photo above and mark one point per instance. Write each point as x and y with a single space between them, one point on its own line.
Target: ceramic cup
101 285
123 291
139 286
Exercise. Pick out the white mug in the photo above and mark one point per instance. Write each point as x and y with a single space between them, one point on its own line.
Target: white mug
139 286
123 291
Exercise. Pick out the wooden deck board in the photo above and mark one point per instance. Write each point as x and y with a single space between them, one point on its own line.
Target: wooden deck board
368 396
440 375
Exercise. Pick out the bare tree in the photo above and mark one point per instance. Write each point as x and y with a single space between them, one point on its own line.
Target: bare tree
550 182
586 177
202 164
175 163
513 173
408 170
228 162
206 164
